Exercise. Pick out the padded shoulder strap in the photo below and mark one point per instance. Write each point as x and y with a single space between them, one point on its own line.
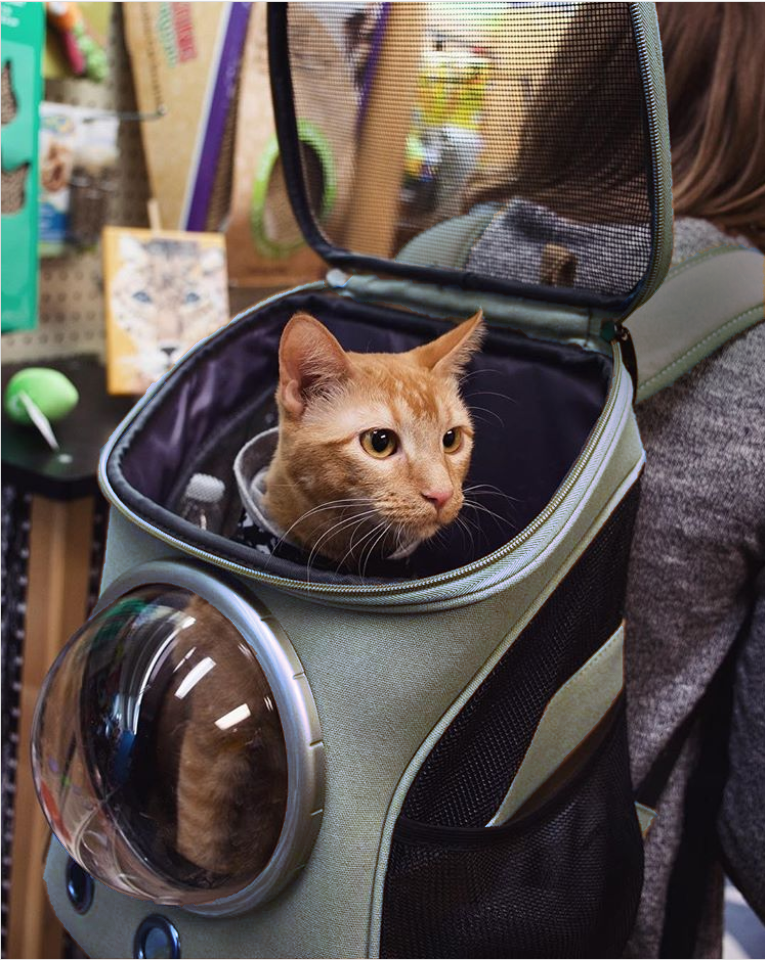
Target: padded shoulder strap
703 302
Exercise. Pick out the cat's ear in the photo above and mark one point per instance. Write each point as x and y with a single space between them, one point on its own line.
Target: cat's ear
310 362
132 250
451 352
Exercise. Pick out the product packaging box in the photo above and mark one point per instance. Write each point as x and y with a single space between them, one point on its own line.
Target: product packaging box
22 38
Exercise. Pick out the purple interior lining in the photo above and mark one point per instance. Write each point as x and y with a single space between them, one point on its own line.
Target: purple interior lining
534 403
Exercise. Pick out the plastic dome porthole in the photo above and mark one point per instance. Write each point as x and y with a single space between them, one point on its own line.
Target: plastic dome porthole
177 750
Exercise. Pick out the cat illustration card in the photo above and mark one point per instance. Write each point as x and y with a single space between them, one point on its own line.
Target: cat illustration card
164 291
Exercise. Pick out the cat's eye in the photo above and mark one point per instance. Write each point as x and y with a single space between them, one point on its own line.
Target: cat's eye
452 440
379 443
142 297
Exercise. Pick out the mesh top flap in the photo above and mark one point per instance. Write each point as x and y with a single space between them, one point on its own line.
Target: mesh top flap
519 148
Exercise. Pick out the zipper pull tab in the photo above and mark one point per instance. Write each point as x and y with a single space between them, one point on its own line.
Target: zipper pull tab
617 331
336 278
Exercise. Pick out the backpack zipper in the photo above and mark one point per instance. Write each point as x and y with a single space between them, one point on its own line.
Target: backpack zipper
391 589
658 136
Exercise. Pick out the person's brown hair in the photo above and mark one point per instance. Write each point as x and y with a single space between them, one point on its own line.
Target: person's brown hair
581 148
713 61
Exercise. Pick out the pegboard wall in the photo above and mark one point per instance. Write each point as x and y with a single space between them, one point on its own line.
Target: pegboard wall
71 303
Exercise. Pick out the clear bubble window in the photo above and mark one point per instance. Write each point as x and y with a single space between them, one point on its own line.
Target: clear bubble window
159 753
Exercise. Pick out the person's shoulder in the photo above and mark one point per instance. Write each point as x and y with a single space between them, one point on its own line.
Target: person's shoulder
693 237
737 366
712 418
702 331
730 380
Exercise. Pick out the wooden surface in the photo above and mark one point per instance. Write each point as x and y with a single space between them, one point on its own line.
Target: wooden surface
70 472
255 130
59 570
177 79
373 218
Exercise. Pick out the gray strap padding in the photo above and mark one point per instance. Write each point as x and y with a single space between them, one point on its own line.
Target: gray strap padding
448 244
704 302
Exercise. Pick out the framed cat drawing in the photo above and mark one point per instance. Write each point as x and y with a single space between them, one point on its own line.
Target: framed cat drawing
164 291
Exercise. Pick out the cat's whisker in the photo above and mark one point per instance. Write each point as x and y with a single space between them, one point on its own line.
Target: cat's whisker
330 505
492 491
315 548
439 535
465 519
342 523
368 536
491 393
474 526
362 549
386 527
399 539
471 504
479 506
470 526
492 413
334 529
481 373
464 529
354 545
477 419
510 506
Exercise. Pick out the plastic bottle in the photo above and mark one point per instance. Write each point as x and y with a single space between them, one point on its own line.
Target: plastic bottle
203 502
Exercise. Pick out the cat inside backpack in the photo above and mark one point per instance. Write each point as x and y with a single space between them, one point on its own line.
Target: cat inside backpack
227 784
372 448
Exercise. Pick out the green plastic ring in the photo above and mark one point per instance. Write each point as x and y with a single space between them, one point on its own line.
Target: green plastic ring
314 138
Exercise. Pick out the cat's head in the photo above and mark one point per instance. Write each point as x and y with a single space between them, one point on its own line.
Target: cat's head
373 447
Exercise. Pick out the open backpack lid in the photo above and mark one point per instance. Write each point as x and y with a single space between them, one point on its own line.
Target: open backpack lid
519 149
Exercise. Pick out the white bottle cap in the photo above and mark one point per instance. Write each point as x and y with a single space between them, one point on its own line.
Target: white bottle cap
205 489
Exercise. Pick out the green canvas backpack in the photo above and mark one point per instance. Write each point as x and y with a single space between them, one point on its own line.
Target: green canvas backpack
451 770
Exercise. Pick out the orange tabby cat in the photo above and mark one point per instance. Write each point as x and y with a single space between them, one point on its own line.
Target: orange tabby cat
227 781
373 447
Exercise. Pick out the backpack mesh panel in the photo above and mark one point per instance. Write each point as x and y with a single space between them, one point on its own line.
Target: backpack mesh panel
411 115
564 883
468 773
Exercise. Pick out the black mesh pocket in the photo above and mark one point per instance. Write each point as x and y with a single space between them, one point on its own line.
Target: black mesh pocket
468 772
562 881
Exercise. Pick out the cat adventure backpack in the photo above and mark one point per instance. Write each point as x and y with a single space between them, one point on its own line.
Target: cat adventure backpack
445 757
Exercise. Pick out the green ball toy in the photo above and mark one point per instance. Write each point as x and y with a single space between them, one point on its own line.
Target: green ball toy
54 394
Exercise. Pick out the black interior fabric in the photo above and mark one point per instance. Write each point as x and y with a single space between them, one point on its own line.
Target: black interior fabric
534 404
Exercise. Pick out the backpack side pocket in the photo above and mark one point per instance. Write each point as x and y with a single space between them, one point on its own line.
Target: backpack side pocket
561 878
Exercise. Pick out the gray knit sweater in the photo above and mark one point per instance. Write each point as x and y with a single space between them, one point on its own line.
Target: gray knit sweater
697 582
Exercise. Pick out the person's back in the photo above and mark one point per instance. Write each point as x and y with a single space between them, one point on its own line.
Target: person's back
698 561
699 549
699 553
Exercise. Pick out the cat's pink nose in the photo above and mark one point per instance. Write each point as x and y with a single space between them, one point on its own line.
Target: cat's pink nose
439 498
